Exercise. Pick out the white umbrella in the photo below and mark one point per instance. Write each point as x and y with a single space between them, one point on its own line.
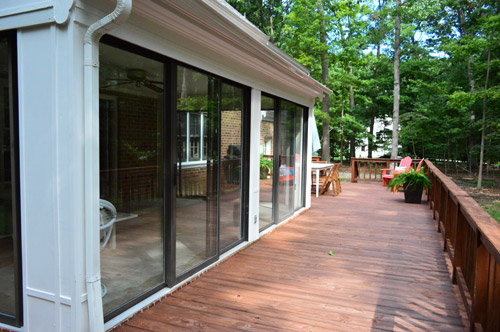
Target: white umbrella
316 144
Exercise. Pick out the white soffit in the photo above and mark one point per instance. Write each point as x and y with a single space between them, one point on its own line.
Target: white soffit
215 25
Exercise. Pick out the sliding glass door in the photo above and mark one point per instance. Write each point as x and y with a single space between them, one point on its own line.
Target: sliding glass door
209 169
231 172
172 171
286 160
196 203
131 140
267 137
282 150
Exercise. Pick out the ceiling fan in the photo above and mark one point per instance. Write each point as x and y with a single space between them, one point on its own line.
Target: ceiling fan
139 77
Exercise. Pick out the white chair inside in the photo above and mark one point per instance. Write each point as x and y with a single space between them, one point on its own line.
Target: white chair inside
108 219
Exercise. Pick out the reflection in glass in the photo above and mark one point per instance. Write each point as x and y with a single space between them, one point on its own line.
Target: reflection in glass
286 152
7 269
196 202
299 124
266 155
194 136
231 166
131 144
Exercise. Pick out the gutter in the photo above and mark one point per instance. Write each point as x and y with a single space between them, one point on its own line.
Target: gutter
91 139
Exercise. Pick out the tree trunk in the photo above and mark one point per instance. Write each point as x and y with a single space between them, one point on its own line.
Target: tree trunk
395 111
352 147
325 140
370 137
372 119
481 155
342 129
351 106
470 77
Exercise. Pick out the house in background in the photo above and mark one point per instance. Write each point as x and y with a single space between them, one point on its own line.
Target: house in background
130 152
382 130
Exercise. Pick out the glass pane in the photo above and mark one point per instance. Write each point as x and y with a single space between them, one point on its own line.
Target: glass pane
299 124
196 202
205 136
7 284
231 170
286 159
194 136
182 135
266 161
131 190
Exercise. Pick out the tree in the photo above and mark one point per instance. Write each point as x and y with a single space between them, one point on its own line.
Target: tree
325 150
396 93
432 65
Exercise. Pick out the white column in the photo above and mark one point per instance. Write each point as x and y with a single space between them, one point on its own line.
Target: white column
51 177
253 204
310 125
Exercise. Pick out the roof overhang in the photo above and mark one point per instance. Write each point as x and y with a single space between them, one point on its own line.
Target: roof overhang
218 26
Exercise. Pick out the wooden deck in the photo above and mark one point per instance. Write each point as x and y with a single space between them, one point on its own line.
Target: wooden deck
388 273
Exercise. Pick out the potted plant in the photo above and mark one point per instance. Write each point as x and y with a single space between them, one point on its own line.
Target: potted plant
413 182
266 166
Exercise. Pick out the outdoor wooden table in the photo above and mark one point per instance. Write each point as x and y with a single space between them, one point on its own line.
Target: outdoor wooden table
318 167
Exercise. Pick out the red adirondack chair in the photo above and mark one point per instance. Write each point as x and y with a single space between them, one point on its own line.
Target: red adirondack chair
420 164
389 173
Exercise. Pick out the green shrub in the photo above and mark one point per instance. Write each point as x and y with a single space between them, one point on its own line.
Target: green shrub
411 178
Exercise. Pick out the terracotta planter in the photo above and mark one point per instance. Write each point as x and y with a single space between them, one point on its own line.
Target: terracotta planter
413 194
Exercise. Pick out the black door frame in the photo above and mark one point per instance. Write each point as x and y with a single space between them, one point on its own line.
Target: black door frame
17 320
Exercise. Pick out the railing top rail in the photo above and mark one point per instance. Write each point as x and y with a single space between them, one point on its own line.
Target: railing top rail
375 159
475 215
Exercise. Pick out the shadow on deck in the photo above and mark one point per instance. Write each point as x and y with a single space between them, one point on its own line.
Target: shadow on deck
388 273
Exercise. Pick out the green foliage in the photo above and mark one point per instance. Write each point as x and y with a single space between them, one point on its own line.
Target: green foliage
410 178
266 163
444 61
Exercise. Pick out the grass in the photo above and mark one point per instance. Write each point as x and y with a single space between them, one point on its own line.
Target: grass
493 209
484 183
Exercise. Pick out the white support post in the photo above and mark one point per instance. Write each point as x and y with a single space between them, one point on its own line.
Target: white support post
253 204
310 125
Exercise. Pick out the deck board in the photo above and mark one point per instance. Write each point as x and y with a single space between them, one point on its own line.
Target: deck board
389 273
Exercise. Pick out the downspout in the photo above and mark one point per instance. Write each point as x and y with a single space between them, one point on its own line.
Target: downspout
91 183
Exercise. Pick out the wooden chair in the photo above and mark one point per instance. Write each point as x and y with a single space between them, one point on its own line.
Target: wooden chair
332 179
325 186
389 173
337 189
420 164
324 182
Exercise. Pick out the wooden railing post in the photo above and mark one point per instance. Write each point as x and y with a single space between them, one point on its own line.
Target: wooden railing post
446 223
459 243
442 210
353 171
480 297
450 226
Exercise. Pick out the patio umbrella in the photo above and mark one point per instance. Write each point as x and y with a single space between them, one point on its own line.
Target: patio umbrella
316 144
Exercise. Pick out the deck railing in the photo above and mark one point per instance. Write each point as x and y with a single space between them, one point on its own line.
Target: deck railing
369 169
472 240
471 237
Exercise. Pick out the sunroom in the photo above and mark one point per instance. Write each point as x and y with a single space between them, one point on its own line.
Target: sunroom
133 161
